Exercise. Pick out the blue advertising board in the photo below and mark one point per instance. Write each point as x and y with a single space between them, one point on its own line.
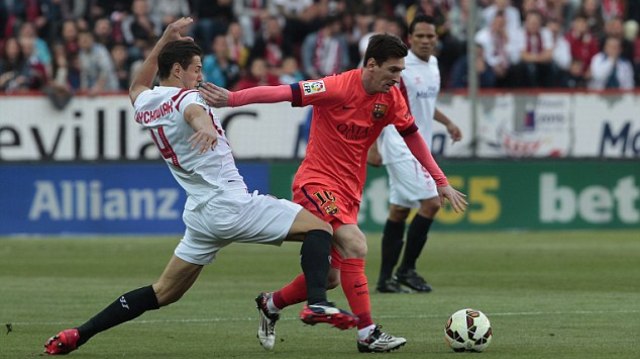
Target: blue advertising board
98 198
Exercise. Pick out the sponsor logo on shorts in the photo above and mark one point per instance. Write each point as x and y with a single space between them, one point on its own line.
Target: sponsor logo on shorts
311 87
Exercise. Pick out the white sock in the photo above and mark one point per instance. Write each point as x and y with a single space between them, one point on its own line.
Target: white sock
364 332
272 307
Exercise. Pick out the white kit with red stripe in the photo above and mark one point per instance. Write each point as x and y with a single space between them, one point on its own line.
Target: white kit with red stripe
161 111
420 85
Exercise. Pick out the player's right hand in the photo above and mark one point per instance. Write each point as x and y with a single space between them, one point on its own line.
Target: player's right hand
215 96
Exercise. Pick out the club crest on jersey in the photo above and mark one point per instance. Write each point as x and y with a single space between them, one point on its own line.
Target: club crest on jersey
331 209
311 87
379 110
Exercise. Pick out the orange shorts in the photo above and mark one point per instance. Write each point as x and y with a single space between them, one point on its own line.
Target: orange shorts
326 203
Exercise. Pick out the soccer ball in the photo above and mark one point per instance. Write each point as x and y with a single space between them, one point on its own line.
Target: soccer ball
468 330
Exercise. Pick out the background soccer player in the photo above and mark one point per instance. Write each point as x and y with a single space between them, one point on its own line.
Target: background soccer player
219 210
410 184
349 112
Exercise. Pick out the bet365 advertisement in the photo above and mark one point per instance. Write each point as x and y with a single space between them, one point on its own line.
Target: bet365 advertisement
516 195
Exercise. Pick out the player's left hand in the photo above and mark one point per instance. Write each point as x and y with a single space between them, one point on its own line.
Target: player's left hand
175 29
204 140
456 198
214 95
454 132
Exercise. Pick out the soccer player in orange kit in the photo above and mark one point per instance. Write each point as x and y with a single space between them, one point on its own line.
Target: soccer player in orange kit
349 112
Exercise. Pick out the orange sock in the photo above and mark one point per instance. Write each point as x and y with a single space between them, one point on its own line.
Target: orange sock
356 289
293 293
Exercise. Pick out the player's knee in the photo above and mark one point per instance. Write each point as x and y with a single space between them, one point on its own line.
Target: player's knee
398 214
429 208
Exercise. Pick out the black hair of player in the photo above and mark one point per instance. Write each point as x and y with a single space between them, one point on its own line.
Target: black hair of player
383 47
179 51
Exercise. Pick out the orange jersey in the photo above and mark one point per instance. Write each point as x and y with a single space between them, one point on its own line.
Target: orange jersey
346 121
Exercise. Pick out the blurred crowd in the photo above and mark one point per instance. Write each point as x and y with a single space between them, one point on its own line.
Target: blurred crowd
63 47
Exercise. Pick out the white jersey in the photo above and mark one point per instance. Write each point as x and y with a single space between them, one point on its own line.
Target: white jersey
202 176
421 84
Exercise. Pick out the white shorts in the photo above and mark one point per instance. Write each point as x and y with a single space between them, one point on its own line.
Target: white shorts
234 217
409 183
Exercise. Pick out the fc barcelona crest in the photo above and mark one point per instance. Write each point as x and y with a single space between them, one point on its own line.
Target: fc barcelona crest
379 110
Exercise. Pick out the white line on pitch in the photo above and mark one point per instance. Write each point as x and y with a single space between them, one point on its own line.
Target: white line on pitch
423 316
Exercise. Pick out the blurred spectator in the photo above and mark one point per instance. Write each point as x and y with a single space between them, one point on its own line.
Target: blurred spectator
510 13
238 50
460 75
140 26
534 5
535 44
609 70
217 67
103 32
290 71
592 12
97 73
614 8
614 28
583 46
168 11
14 70
500 50
250 15
66 70
632 34
458 19
271 45
258 76
120 58
562 11
212 18
561 53
325 52
37 75
42 53
69 35
300 17
429 8
576 78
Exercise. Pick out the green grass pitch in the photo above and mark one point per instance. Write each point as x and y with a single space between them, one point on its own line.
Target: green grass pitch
566 294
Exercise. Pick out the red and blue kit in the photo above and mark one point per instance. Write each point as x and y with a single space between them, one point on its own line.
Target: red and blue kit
346 121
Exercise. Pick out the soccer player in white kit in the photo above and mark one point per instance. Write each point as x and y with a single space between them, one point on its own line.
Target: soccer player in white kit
219 210
410 185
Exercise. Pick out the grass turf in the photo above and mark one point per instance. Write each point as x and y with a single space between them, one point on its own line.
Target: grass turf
548 295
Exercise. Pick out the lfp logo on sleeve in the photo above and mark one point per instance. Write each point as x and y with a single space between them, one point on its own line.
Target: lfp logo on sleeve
311 87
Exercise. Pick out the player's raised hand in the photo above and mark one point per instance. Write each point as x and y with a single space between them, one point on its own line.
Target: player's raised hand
456 198
174 30
214 95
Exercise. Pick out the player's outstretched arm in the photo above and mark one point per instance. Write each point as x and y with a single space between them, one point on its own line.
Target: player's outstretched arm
217 96
421 152
144 78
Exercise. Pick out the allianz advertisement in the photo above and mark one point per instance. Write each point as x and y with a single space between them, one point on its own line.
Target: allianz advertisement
104 198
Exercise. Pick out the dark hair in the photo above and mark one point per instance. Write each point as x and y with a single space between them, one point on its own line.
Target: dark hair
382 47
181 52
421 18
